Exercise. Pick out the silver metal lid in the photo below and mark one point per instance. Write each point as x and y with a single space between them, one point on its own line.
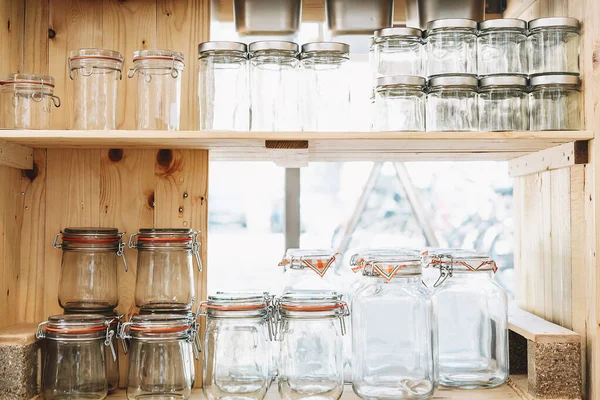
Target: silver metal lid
335 47
503 23
554 22
555 80
222 46
408 80
452 23
276 45
453 80
387 32
503 80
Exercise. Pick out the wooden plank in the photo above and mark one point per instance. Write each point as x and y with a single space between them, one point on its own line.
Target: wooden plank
15 155
19 334
37 20
515 8
537 329
565 155
12 19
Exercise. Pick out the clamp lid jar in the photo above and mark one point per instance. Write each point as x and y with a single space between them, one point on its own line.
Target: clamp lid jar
556 103
503 103
306 269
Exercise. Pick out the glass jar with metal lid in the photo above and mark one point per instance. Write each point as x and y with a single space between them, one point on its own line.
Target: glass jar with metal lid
306 269
554 46
95 74
161 357
452 104
165 275
451 47
88 274
503 103
400 103
502 47
471 318
555 103
237 348
393 330
158 88
274 86
325 87
310 334
397 51
26 101
223 86
74 364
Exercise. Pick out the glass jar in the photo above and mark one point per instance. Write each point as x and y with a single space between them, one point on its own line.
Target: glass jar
26 101
223 86
274 86
503 103
305 270
502 47
325 87
452 104
393 329
95 74
237 353
451 47
555 103
165 276
554 46
161 365
74 358
88 274
158 88
400 103
397 51
472 320
310 333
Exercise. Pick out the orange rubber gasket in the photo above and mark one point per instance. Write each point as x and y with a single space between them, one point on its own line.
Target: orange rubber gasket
160 330
235 308
86 330
26 83
311 308
96 57
84 240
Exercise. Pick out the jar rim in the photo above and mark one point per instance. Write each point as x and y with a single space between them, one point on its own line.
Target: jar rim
160 323
157 54
237 301
327 47
273 45
96 53
503 81
463 81
555 79
452 23
222 45
406 80
319 260
76 323
326 303
503 23
28 79
554 22
459 259
397 31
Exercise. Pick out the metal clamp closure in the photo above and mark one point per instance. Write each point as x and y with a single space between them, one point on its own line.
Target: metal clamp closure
121 251
445 262
132 241
122 329
109 336
88 71
40 334
196 249
148 77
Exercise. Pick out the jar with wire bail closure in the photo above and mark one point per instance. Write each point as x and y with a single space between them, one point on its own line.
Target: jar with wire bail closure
306 269
503 103
159 74
502 47
471 318
400 103
26 101
74 361
237 348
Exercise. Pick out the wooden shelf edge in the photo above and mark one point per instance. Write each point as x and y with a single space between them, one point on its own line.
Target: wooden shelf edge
537 329
561 156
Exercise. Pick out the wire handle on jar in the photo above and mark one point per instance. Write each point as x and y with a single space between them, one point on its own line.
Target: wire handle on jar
109 336
194 339
132 244
196 249
121 251
57 245
445 262
122 329
345 313
40 334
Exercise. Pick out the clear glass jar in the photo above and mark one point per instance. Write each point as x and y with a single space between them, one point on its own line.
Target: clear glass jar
397 51
237 353
26 101
95 74
555 103
503 103
325 87
223 86
310 333
161 361
452 104
393 329
400 103
88 275
502 47
158 88
472 320
554 46
165 275
74 358
306 270
451 47
274 86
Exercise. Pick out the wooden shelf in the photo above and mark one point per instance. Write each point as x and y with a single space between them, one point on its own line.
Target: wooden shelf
317 146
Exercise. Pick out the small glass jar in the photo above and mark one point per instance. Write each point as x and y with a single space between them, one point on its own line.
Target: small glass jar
400 103
502 47
555 103
472 320
26 101
325 87
274 86
237 353
310 333
306 270
452 104
393 329
95 74
74 364
165 275
223 86
88 275
451 47
503 103
554 46
161 361
397 51
158 88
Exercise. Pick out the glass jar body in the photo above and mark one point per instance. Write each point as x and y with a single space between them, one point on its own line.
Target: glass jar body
400 108
502 52
158 95
398 55
555 107
223 91
452 51
452 109
95 98
554 50
22 109
503 109
473 330
394 340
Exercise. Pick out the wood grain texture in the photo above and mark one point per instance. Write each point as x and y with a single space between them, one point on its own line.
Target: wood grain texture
12 20
537 329
35 52
565 155
15 155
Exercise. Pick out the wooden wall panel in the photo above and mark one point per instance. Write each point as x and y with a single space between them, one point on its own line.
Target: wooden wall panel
12 20
35 52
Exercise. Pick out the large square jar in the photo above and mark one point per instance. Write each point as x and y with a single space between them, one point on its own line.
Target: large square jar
503 103
452 104
555 103
554 46
502 47
451 47
400 103
397 51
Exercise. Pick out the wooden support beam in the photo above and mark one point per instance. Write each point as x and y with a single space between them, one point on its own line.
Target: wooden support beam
561 156
15 155
537 329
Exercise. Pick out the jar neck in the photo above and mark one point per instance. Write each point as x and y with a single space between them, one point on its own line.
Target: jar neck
396 280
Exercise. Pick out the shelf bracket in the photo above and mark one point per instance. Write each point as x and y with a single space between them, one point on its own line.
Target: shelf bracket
15 155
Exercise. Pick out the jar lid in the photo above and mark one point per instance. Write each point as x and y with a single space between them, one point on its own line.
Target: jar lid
503 81
360 257
222 46
236 301
98 54
406 80
387 32
333 47
503 23
82 238
312 301
275 45
453 81
160 323
76 323
452 23
551 79
317 260
36 80
459 259
157 236
159 55
554 22
388 264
